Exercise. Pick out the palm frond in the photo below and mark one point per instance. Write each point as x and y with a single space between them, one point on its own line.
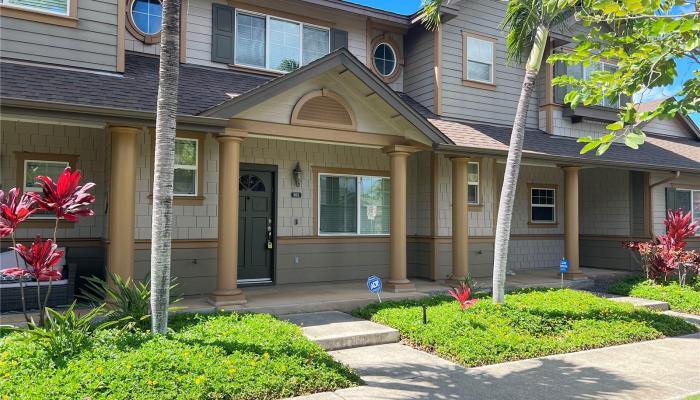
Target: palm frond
430 14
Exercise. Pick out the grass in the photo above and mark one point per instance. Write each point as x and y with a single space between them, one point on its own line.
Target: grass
220 356
532 323
683 299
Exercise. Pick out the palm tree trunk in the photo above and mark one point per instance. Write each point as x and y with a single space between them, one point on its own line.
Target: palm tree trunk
164 165
510 178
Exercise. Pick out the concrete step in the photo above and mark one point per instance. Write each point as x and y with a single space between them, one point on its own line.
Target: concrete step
335 330
638 302
690 318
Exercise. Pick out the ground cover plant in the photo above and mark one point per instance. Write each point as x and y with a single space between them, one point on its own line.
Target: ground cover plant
218 356
532 323
679 298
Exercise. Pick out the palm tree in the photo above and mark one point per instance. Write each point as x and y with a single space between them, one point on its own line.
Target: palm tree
164 165
528 23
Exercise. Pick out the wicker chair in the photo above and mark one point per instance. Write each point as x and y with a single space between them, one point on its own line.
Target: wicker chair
62 293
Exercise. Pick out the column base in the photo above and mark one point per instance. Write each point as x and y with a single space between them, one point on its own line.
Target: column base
575 276
399 285
220 298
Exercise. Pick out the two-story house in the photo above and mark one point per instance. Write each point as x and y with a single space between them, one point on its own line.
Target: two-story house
320 140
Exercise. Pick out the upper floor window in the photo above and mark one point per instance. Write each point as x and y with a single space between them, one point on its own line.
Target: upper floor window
52 6
146 16
277 44
579 71
478 59
384 59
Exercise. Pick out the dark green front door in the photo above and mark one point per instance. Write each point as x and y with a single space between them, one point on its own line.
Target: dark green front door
255 226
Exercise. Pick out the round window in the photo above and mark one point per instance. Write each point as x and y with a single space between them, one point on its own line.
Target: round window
147 16
384 59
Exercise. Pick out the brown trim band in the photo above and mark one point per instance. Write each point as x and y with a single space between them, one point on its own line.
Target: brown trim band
70 20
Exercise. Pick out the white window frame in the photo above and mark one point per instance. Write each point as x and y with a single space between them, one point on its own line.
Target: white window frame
267 39
692 205
359 206
25 188
466 59
601 67
42 10
477 183
194 168
396 58
553 206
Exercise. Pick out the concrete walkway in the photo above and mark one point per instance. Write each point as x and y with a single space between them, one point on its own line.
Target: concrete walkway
659 369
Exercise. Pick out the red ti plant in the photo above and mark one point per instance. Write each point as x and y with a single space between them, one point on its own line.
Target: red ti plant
66 199
667 254
14 209
461 294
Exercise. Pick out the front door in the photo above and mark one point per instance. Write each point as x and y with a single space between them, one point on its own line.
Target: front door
255 226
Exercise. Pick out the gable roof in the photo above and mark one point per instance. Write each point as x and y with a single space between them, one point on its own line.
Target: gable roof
341 57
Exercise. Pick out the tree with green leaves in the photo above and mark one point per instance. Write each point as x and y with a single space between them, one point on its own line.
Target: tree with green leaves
528 23
646 39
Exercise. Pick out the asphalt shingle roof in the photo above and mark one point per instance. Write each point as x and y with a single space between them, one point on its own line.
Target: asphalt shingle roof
202 88
137 89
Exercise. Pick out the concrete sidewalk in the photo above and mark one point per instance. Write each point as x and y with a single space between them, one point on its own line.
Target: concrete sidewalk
659 369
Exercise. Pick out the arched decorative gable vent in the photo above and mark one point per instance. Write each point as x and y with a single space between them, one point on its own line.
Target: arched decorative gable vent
323 108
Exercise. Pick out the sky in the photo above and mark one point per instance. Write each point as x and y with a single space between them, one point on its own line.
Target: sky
685 66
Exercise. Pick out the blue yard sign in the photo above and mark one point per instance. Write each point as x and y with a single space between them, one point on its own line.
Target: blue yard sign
374 284
564 266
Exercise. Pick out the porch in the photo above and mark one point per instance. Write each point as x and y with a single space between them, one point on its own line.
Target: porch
348 295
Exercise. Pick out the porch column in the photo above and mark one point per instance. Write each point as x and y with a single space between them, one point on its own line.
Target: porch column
460 220
397 253
122 186
227 291
571 230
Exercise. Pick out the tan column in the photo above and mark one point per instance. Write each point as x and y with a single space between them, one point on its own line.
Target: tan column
122 205
397 253
460 220
571 240
227 291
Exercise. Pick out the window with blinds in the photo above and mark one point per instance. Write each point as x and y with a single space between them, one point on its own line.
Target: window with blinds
353 205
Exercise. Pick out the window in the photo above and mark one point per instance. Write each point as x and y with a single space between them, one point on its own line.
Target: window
478 59
353 205
384 59
277 44
146 16
601 66
32 165
186 167
473 183
35 168
580 71
688 200
543 205
52 6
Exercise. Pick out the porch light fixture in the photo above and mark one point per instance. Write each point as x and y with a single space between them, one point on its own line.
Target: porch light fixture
297 175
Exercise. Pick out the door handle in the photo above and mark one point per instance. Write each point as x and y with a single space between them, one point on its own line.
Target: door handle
269 234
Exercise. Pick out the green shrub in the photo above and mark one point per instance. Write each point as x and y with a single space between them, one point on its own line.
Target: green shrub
532 323
219 356
128 302
683 299
63 334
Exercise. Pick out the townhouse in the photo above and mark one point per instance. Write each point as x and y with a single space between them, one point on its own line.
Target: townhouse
319 140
